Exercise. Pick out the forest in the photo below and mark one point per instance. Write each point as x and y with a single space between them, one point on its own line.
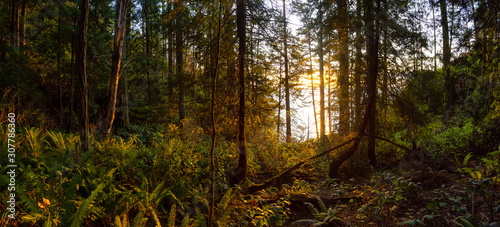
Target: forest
250 113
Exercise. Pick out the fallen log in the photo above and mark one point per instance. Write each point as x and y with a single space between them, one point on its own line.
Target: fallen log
284 174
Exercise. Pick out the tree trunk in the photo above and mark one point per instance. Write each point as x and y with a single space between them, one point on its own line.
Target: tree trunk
373 26
343 77
180 68
321 77
358 67
279 104
81 70
147 29
122 100
116 68
372 59
14 24
59 76
170 53
287 85
446 54
240 174
214 120
22 25
434 33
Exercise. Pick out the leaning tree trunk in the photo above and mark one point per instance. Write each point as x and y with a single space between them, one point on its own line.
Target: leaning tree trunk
114 77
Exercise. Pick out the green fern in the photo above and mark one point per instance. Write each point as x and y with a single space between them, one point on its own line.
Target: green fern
84 208
35 140
139 219
324 215
171 216
122 222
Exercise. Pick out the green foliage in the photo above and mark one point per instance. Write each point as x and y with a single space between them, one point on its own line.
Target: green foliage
83 209
389 193
323 216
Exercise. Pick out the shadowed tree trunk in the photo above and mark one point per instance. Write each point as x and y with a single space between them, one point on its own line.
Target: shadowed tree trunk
240 173
116 58
358 68
373 27
179 52
446 54
14 24
372 33
81 71
343 77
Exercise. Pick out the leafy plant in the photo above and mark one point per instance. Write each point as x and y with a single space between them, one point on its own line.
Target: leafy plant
323 216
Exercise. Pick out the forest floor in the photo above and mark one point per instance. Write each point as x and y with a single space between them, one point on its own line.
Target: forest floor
439 193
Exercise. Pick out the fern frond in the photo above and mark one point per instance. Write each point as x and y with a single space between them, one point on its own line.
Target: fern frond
171 216
86 205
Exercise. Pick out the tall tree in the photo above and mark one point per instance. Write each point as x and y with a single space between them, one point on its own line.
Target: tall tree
240 174
81 70
179 53
322 116
122 110
343 76
116 69
446 54
214 120
149 52
358 65
287 78
14 24
372 33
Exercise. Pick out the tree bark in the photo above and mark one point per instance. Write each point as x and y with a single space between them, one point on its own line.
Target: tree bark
372 32
446 54
180 68
122 110
373 41
358 66
214 120
116 68
22 24
81 70
147 28
321 78
14 24
343 76
287 85
240 173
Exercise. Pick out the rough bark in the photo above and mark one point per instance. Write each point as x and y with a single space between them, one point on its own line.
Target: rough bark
358 66
115 74
322 116
343 76
287 85
373 39
214 120
122 110
446 54
240 173
372 60
81 71
14 24
179 52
